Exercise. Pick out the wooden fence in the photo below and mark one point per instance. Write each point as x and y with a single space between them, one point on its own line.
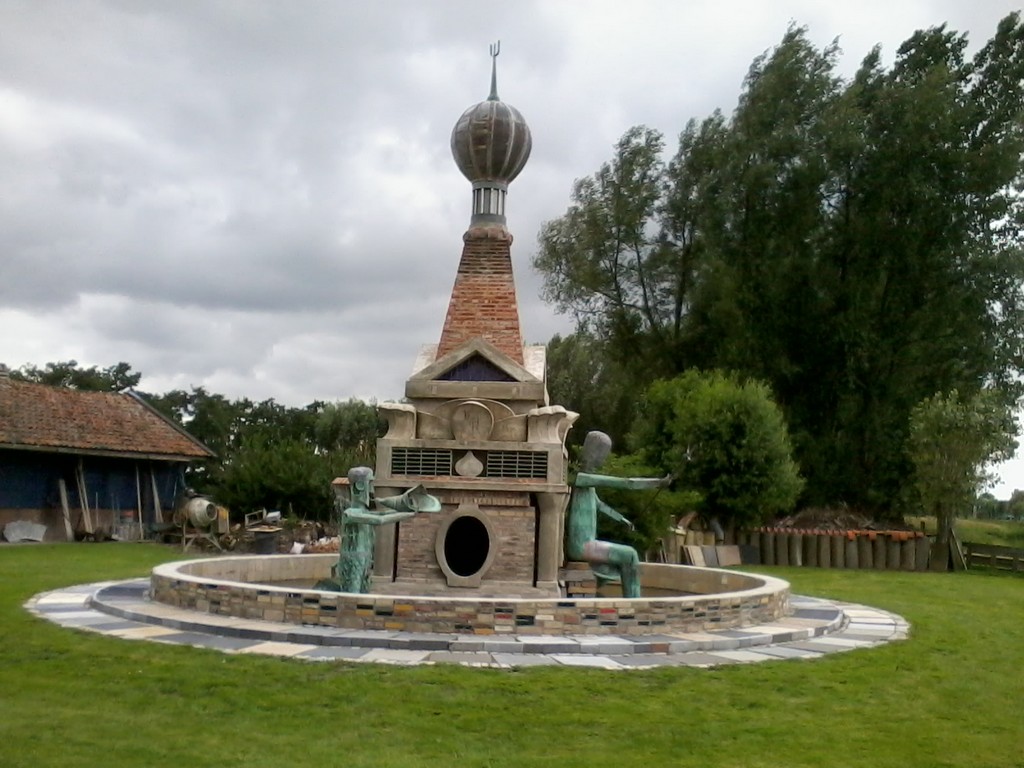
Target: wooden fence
876 550
991 556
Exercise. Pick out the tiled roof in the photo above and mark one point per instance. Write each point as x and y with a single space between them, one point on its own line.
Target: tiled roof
40 417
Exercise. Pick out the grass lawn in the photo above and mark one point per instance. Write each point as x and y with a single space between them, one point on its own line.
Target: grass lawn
947 697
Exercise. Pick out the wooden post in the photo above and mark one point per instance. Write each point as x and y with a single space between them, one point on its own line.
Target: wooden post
782 548
878 552
922 553
907 551
823 542
838 550
892 553
866 555
811 548
796 548
852 555
767 548
66 508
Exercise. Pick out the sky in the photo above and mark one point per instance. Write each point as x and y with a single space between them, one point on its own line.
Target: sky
259 198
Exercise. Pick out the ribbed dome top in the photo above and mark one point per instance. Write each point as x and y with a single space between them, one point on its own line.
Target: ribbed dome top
491 141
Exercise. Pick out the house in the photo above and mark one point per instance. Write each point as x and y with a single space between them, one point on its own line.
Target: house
85 462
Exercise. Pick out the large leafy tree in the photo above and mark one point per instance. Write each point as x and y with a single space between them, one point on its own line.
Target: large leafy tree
853 243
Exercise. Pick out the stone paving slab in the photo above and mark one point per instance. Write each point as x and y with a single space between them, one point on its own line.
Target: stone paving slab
818 627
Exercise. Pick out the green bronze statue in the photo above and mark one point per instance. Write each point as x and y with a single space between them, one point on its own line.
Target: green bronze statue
610 561
359 521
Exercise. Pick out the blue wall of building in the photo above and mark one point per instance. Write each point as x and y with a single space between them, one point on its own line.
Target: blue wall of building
28 480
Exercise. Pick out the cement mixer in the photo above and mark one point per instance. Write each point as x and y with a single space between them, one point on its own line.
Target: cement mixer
197 517
200 512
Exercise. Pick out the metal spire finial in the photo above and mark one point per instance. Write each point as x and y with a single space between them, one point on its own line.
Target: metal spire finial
495 49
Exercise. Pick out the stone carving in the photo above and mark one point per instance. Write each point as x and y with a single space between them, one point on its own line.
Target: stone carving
469 466
401 420
549 424
472 421
610 561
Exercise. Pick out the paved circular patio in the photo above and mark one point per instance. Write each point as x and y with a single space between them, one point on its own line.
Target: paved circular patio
816 628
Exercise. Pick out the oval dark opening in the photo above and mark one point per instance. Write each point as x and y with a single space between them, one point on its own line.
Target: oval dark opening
466 545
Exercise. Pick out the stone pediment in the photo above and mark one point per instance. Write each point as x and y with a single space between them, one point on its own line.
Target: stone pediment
476 368
483 355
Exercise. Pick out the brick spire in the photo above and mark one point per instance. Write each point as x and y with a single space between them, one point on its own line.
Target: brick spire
483 302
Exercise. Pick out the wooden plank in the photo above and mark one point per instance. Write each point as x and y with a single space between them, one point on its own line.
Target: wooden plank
157 512
728 554
710 555
959 561
694 554
66 509
138 501
83 498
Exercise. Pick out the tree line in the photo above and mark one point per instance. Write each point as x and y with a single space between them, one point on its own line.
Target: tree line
854 244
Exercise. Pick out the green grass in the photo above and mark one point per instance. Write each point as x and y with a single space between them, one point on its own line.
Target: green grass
1002 533
950 696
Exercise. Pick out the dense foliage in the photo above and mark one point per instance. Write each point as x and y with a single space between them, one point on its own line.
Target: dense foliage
853 243
723 439
67 373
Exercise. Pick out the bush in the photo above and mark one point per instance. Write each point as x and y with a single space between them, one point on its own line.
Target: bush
724 439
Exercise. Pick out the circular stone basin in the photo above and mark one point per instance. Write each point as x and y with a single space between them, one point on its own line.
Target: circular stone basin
688 599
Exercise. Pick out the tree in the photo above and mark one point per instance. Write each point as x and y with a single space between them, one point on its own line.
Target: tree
115 378
726 440
855 244
603 261
952 442
583 377
284 474
350 427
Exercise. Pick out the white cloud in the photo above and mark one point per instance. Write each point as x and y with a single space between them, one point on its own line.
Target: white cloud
259 197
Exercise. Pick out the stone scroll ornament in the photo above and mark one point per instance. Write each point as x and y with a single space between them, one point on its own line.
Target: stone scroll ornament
359 521
609 561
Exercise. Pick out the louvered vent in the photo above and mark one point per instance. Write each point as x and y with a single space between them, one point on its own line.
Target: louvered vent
531 464
428 462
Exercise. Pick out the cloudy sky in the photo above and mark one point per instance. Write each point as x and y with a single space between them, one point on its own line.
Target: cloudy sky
258 197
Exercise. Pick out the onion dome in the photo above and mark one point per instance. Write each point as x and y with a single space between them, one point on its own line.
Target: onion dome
491 144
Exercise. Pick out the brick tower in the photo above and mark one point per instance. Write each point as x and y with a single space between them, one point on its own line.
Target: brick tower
476 427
